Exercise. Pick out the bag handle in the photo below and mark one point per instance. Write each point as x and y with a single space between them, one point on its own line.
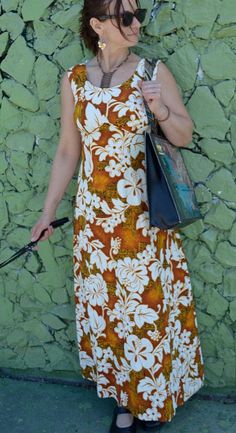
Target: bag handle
149 69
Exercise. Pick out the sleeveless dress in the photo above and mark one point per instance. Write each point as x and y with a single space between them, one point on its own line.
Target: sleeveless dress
136 324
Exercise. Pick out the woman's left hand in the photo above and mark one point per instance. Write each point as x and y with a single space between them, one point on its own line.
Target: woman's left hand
151 92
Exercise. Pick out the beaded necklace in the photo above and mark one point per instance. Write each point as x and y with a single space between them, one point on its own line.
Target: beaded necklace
107 76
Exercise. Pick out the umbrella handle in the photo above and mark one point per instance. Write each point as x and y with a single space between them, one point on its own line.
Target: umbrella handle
54 224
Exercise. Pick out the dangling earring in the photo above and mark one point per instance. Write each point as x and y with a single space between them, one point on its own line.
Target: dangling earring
102 45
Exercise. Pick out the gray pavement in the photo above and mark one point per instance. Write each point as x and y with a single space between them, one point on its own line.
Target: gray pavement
34 407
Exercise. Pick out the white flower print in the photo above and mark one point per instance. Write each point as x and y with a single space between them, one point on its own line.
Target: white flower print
84 196
132 274
96 290
97 322
143 314
149 385
133 185
115 145
94 120
85 360
139 352
98 95
131 281
113 169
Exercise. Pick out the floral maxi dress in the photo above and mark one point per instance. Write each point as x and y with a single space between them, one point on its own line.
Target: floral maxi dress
136 324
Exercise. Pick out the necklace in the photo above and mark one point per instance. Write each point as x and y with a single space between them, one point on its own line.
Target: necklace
107 76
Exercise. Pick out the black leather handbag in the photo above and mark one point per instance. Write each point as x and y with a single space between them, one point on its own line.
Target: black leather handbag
171 198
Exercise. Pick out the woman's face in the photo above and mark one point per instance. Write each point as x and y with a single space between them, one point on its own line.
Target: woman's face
111 33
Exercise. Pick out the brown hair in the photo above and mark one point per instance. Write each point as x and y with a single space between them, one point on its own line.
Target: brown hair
93 9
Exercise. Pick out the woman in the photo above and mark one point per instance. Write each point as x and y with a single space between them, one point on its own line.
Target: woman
136 323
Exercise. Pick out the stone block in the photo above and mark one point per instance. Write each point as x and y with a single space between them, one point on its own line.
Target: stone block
4 38
68 19
12 23
65 311
17 337
41 294
54 353
6 311
200 13
4 220
53 321
233 132
34 9
41 125
232 306
210 238
47 37
184 64
222 184
207 114
9 5
59 296
193 230
223 69
218 305
19 61
229 285
203 194
208 344
47 83
225 336
232 235
21 141
225 91
10 117
211 272
227 12
217 150
214 369
226 253
53 107
198 166
220 216
70 55
205 320
35 357
20 95
38 330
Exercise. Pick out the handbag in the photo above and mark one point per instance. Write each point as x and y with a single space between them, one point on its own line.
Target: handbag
171 198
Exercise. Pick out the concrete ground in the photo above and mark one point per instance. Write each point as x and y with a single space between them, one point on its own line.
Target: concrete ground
34 407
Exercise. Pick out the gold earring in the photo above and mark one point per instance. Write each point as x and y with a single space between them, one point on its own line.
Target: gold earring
102 45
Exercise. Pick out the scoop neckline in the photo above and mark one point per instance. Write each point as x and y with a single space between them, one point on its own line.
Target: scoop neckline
112 87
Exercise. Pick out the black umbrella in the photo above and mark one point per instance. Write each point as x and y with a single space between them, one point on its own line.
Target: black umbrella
29 247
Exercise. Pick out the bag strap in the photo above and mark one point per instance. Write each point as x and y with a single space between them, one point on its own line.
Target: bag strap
149 69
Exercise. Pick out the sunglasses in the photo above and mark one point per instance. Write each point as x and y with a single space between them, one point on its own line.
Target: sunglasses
127 16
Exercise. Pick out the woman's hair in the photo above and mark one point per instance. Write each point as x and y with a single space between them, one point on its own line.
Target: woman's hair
93 9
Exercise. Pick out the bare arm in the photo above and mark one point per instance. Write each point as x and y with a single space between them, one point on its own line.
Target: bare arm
162 93
65 161
179 127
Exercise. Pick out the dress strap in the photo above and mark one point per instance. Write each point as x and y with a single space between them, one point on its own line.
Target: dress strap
77 73
154 76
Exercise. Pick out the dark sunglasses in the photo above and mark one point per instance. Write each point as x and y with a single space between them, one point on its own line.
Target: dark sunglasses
127 16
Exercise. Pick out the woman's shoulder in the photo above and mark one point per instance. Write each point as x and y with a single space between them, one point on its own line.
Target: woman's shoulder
76 74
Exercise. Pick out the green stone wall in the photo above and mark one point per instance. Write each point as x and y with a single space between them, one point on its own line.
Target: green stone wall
38 41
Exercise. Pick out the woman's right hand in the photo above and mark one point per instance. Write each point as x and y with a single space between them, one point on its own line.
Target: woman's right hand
42 223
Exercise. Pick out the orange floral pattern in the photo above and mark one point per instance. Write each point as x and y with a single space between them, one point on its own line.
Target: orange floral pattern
136 324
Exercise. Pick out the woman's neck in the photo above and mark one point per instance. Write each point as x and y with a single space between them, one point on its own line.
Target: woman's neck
111 58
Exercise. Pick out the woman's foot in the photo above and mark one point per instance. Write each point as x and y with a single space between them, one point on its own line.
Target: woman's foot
151 425
122 421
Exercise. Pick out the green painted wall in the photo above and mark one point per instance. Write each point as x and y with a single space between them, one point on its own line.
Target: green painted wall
38 41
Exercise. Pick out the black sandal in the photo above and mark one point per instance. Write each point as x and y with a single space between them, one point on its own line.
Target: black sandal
114 428
151 425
